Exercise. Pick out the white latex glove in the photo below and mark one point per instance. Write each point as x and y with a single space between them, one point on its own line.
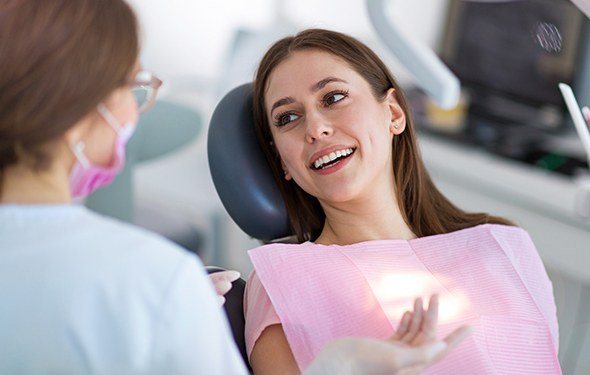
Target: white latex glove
222 282
410 350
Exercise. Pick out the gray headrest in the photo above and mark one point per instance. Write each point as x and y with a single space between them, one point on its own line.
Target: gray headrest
241 175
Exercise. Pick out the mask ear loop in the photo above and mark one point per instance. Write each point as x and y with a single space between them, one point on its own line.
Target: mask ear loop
78 147
108 116
123 131
78 150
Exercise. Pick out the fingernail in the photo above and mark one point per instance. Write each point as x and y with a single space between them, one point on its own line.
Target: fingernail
233 275
224 286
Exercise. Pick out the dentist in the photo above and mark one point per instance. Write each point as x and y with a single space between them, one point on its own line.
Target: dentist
81 293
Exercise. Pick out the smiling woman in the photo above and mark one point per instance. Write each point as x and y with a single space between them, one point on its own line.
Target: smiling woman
321 80
331 110
373 229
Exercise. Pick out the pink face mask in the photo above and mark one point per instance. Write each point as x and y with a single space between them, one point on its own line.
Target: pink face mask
85 177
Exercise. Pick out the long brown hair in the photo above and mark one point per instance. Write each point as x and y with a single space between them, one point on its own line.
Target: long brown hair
424 208
58 60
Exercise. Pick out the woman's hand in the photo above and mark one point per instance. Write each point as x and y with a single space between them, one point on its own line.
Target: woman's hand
222 282
411 349
418 327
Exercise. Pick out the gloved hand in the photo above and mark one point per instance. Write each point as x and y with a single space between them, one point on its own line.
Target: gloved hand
411 349
222 282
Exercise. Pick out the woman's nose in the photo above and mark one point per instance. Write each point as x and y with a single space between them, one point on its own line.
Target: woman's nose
317 127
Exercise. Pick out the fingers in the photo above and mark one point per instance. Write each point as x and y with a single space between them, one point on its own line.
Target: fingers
416 322
431 317
408 323
402 329
454 338
429 323
222 287
222 281
230 276
420 326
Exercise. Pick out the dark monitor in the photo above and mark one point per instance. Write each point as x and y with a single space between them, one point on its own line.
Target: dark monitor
510 56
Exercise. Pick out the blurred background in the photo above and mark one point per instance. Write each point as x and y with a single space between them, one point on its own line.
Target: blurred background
507 148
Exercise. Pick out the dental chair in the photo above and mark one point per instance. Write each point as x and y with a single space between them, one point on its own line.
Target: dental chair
241 175
245 185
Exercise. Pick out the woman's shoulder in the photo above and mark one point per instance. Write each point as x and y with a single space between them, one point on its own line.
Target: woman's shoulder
512 239
502 228
503 231
506 236
481 230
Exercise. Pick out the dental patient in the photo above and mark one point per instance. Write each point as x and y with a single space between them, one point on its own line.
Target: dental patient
374 232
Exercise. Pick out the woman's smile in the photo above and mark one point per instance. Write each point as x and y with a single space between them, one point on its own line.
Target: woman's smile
329 156
333 162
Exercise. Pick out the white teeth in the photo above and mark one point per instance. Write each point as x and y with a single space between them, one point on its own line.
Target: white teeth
331 157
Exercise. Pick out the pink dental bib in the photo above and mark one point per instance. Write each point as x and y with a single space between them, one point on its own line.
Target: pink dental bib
489 276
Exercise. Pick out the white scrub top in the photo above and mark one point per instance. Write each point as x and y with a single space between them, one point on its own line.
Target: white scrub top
84 294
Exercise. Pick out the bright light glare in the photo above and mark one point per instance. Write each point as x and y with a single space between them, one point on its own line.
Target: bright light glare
396 293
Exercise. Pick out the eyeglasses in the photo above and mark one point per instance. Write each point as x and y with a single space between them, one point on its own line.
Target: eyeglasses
145 89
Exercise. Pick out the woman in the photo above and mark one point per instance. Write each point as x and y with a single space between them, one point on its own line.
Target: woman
82 293
372 228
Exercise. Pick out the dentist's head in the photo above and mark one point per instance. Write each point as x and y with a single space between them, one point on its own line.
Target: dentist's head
67 74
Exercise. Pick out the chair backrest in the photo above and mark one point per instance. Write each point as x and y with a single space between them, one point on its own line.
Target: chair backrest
234 308
240 172
245 185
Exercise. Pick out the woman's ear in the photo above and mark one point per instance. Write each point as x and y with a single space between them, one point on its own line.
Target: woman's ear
397 123
283 166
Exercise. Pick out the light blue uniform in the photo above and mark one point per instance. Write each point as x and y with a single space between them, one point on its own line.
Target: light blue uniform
80 293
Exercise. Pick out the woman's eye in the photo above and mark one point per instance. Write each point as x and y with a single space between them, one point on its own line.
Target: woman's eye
285 119
334 98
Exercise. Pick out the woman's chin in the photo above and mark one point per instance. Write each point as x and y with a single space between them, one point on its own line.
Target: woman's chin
339 196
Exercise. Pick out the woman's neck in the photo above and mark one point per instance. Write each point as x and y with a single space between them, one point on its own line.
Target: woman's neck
373 218
22 185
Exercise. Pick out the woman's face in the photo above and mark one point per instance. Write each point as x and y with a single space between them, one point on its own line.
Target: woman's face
100 137
334 137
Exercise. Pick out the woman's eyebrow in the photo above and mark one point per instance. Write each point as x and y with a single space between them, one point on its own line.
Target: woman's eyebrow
281 102
314 88
322 83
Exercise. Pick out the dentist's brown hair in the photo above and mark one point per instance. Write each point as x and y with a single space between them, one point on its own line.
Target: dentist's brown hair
58 60
424 208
